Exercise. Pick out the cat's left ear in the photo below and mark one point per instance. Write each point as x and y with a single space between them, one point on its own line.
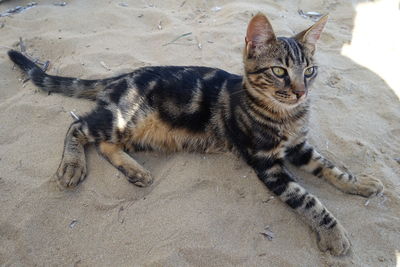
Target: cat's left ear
310 36
259 34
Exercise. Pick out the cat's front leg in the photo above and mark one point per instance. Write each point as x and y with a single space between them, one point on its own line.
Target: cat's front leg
307 158
330 233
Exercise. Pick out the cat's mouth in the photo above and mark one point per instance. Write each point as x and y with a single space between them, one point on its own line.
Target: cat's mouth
288 98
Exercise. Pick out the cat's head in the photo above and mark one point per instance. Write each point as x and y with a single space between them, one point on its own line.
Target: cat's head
281 69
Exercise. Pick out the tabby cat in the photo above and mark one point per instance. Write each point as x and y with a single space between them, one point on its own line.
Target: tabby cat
262 116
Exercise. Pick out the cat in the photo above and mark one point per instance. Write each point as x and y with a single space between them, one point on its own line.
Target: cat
262 116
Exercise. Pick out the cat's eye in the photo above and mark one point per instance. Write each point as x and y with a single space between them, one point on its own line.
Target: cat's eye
309 72
279 72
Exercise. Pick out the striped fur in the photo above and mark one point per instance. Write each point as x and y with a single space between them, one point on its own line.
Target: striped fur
262 116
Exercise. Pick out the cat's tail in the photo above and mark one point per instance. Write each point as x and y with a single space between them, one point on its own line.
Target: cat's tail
72 87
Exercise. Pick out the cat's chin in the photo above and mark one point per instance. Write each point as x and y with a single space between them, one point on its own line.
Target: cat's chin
290 103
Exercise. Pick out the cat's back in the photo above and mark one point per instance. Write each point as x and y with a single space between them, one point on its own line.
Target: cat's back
181 81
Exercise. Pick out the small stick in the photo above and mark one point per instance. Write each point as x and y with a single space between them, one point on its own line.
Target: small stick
46 65
104 65
60 4
6 47
199 45
22 46
74 116
177 38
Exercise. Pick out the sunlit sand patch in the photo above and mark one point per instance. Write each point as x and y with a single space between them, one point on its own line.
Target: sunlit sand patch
376 41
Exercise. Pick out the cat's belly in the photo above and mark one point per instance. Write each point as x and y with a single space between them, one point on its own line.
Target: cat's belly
152 132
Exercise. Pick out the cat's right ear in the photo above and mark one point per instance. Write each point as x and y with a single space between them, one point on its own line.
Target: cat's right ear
259 34
310 36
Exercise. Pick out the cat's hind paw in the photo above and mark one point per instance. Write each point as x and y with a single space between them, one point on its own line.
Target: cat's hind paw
70 174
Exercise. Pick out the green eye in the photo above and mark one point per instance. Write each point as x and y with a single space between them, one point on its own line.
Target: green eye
278 71
309 72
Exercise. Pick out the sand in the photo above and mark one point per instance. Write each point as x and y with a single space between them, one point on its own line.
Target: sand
202 210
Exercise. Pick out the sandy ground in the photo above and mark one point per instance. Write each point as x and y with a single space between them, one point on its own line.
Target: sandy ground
202 210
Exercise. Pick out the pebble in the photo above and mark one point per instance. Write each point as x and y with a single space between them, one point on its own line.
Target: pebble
73 223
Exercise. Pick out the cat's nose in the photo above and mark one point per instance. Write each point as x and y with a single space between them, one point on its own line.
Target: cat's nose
299 93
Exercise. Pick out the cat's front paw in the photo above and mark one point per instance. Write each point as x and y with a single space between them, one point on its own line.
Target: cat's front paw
335 240
367 186
71 173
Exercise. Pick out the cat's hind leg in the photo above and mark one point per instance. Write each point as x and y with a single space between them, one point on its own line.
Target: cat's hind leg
72 168
134 172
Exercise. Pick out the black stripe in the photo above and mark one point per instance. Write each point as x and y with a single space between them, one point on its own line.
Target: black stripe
268 78
351 177
258 71
295 149
295 49
329 165
302 54
118 90
102 103
289 49
286 46
240 123
297 156
332 225
88 83
296 201
303 159
287 81
323 212
99 122
317 171
311 203
326 220
287 61
264 125
279 185
261 165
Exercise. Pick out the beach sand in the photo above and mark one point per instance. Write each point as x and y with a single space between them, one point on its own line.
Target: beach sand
202 210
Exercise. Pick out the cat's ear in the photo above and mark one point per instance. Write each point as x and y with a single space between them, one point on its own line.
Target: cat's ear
310 36
259 33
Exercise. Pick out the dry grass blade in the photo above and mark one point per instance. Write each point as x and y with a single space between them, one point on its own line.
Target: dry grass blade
268 233
177 38
22 46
